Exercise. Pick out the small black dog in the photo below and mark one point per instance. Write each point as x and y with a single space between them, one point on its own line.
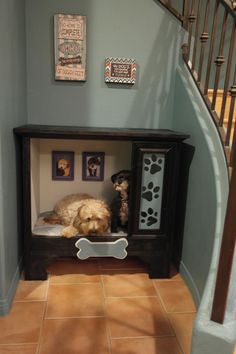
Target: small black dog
120 204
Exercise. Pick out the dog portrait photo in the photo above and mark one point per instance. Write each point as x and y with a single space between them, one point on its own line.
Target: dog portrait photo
63 165
93 166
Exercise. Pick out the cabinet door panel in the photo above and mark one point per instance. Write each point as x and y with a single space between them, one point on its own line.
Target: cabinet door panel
152 190
153 166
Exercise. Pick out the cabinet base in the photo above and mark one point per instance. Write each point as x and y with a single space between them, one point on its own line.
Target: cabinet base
45 250
36 267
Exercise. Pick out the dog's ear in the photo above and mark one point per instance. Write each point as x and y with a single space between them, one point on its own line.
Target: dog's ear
106 212
79 209
77 219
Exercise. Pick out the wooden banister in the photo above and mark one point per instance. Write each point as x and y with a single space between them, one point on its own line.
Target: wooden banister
226 255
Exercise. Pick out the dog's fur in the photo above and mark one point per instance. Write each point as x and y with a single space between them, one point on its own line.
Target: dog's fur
120 204
63 167
81 214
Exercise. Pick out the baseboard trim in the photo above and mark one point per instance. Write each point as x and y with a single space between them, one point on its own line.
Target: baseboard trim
5 304
190 282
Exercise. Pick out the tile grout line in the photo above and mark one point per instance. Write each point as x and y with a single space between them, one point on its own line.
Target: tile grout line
75 283
181 312
72 317
163 303
108 333
123 269
144 337
44 316
16 344
132 297
25 301
177 337
178 340
168 319
160 298
156 296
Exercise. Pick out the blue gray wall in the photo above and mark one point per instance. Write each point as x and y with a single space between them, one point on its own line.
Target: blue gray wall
208 182
206 205
137 29
12 113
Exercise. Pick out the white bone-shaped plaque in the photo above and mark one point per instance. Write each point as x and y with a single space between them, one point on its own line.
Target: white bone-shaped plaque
116 249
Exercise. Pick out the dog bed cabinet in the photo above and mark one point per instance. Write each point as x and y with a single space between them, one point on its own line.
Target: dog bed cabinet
156 203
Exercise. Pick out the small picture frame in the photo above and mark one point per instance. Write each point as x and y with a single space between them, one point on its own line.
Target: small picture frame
120 70
63 165
93 166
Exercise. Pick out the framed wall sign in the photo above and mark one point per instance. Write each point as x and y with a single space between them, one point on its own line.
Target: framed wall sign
63 165
70 47
120 70
93 166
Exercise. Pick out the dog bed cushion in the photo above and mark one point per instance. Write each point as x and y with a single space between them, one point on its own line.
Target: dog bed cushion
43 229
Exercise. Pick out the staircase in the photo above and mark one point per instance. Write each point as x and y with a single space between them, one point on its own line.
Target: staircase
210 56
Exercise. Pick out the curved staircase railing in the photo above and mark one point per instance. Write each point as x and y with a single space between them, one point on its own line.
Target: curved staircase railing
210 55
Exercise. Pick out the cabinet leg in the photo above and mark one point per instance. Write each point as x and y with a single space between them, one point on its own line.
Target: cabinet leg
36 267
158 266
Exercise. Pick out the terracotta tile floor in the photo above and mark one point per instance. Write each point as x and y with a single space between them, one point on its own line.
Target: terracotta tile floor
100 306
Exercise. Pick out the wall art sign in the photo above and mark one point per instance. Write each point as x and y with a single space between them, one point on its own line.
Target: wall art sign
70 47
120 70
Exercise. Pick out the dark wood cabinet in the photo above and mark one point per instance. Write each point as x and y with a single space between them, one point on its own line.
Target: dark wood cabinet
156 207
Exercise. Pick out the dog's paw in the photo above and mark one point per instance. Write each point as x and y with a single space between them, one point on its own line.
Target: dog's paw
52 218
69 232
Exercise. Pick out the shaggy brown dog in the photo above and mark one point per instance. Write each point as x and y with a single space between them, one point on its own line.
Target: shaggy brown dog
82 214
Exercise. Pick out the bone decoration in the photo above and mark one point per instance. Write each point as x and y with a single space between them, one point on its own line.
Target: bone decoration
116 249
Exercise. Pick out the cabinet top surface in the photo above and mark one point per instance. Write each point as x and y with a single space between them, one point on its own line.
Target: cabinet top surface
73 132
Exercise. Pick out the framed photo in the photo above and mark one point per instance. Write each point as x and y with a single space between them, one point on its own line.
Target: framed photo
93 166
63 165
70 47
120 70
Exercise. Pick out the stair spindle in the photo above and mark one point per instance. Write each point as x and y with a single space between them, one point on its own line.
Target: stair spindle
212 42
219 60
231 117
196 34
204 38
191 19
227 75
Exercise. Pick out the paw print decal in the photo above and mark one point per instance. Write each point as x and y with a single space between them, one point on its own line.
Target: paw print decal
149 217
152 164
150 192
